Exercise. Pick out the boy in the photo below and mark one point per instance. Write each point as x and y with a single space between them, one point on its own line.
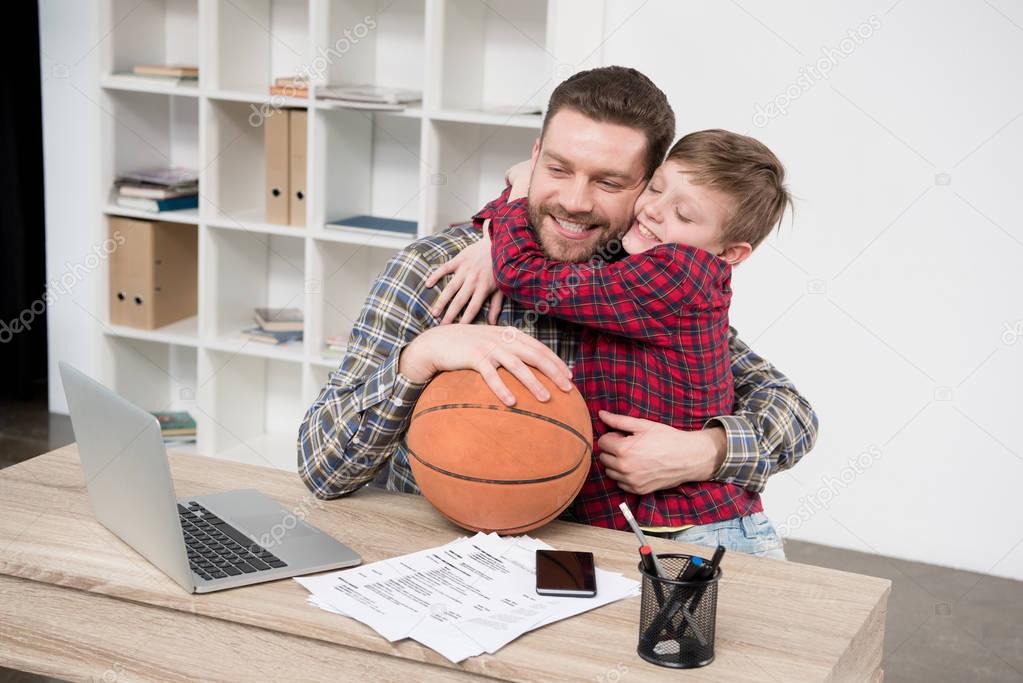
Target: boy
654 343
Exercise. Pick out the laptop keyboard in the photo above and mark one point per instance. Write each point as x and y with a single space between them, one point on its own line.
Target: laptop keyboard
217 550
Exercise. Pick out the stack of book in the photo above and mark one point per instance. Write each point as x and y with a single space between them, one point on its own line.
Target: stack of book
158 189
164 74
290 86
275 326
373 97
335 345
176 427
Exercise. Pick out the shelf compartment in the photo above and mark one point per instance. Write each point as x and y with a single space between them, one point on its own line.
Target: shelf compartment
369 164
151 32
149 130
468 162
252 408
371 42
155 376
234 181
255 41
493 54
344 273
242 271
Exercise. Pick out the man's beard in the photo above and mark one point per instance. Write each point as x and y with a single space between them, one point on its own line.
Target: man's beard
562 249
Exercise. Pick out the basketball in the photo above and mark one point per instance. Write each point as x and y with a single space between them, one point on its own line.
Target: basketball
489 467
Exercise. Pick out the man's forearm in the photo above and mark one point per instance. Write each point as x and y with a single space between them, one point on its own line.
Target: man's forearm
773 425
352 429
360 417
414 364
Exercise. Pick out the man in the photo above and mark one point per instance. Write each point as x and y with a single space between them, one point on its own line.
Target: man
604 133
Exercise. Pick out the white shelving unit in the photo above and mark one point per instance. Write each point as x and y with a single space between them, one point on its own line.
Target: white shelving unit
476 63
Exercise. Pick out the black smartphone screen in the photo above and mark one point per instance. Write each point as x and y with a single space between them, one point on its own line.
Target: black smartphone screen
566 573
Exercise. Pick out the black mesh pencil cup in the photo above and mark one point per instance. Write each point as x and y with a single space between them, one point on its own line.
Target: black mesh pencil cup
677 618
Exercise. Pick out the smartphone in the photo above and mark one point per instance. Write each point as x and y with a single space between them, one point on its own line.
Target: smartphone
565 573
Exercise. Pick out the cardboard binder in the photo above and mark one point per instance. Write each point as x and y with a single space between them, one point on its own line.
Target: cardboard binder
297 166
153 272
276 149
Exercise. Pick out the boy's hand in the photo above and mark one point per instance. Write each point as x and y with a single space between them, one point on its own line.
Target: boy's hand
518 177
471 284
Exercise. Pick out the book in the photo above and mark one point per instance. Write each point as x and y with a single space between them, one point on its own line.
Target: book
289 91
175 423
375 94
370 106
257 334
172 70
377 98
173 176
279 319
147 191
174 204
162 81
376 225
300 81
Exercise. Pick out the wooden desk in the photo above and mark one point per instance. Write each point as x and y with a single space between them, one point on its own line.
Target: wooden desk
80 604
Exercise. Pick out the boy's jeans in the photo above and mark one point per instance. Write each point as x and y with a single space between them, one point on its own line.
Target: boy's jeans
753 534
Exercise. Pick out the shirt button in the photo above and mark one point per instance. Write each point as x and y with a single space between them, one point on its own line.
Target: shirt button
398 402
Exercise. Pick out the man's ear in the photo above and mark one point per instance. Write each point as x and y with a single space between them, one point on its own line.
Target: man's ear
736 253
534 155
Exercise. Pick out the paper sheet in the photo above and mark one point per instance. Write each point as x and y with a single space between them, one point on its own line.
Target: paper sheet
462 599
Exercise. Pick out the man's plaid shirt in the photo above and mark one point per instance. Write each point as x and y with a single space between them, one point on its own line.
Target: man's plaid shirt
654 345
356 426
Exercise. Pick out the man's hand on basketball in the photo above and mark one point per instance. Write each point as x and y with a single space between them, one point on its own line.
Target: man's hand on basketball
471 284
645 456
484 348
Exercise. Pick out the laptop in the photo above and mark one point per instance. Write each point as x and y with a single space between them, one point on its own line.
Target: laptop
204 543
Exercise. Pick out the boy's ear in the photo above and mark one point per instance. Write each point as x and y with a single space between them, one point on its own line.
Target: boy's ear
736 253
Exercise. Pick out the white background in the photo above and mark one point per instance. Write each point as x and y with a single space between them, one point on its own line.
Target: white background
892 299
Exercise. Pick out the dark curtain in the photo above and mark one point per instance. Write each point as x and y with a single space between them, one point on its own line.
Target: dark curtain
22 243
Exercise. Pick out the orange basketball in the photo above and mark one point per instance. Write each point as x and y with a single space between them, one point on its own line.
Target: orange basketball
488 467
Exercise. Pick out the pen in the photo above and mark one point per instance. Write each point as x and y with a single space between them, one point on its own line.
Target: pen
698 569
658 570
647 557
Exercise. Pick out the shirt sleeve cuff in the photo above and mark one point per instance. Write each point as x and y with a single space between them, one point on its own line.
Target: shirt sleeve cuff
387 384
741 454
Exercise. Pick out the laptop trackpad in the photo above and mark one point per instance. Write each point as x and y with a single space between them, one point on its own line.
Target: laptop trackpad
274 526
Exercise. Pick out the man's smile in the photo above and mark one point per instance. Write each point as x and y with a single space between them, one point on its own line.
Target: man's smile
571 229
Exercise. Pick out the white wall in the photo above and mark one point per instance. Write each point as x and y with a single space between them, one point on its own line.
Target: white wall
69 47
888 298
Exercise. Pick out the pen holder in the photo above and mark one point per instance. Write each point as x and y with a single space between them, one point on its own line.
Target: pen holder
677 618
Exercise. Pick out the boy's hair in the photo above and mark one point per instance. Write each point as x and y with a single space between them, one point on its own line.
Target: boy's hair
623 96
744 169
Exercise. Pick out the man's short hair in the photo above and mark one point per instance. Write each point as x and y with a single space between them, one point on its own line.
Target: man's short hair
744 169
623 96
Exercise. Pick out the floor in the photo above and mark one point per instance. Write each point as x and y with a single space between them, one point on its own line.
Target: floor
943 625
